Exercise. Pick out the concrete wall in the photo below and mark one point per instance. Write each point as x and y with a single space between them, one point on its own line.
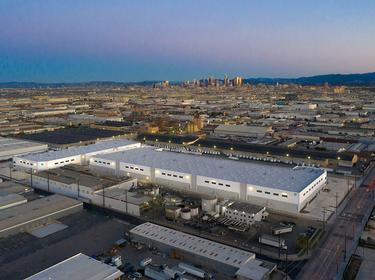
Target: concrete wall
307 194
21 163
273 204
88 195
115 204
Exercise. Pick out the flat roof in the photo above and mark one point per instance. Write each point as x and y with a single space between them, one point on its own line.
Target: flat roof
9 199
255 270
245 207
71 176
78 267
131 197
74 151
66 136
193 244
12 146
248 147
258 174
33 210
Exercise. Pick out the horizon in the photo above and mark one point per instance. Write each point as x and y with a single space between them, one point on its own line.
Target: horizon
125 41
178 81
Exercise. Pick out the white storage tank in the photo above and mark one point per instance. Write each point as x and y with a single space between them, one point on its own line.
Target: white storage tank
186 214
194 211
209 203
218 208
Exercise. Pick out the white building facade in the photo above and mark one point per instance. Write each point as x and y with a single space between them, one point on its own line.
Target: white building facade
76 155
282 188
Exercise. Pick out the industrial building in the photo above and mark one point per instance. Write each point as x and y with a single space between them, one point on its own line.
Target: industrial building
79 267
10 147
243 130
244 212
282 188
38 212
222 258
75 155
104 192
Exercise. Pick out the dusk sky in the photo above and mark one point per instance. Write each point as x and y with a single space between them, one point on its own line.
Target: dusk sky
74 40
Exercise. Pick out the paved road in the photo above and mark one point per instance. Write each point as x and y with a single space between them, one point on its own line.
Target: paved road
330 259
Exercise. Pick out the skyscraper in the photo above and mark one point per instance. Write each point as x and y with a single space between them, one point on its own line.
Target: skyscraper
237 81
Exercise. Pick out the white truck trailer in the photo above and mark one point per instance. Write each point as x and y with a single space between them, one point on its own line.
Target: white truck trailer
273 241
281 230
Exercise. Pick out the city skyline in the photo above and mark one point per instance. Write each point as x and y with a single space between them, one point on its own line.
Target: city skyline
78 41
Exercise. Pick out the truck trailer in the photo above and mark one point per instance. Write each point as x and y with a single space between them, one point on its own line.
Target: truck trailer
273 241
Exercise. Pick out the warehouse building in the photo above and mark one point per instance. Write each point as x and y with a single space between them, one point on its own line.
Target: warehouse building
79 267
76 155
104 192
10 147
243 130
35 213
210 254
282 188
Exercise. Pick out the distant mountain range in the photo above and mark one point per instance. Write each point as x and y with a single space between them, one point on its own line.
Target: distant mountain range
365 79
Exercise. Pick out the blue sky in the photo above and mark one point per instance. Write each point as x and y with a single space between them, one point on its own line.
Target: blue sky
120 40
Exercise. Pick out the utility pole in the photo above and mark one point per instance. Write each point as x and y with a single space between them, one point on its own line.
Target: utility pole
260 246
348 183
337 197
286 264
31 177
307 246
126 200
78 190
103 197
345 245
10 170
324 219
47 181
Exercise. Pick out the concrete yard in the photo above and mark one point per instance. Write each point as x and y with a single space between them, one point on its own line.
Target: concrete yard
337 186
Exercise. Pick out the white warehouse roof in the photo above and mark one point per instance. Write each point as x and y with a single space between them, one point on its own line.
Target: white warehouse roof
193 244
257 174
10 147
81 150
79 267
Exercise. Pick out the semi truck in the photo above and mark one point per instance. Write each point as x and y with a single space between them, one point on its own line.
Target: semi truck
273 241
145 262
281 230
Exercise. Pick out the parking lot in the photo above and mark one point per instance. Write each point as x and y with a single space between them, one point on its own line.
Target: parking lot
335 191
